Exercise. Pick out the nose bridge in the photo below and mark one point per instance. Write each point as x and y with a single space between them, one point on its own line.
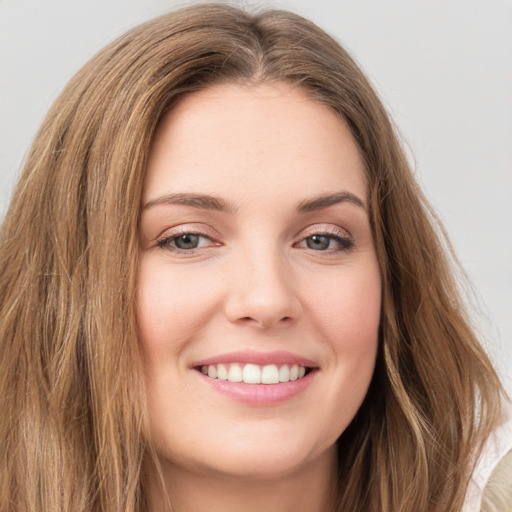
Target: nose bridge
262 291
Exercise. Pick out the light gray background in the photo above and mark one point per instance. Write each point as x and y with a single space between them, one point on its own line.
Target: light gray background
443 68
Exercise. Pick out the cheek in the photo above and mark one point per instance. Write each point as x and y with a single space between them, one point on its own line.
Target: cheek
172 305
348 317
347 308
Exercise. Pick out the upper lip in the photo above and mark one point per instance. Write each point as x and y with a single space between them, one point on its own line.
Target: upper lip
259 358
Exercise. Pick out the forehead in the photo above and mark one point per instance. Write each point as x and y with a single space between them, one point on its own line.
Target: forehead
265 138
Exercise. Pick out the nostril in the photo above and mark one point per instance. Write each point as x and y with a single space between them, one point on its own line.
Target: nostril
265 322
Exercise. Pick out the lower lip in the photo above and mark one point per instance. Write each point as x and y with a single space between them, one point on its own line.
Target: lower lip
259 394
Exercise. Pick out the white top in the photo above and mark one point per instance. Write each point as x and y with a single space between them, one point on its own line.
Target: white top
496 447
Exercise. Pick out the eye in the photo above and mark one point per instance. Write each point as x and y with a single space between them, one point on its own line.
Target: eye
327 242
319 242
185 242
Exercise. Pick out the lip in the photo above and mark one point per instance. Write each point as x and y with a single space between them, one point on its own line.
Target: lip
259 358
258 394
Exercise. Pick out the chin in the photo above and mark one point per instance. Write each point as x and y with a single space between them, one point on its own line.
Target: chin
255 457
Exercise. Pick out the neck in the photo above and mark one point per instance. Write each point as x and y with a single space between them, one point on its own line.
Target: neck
311 488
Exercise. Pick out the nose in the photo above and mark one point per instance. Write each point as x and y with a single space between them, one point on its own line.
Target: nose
262 293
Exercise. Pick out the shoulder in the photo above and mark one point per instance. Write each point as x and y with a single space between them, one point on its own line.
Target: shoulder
497 496
490 488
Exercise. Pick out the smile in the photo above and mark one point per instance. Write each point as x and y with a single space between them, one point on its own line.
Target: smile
257 378
255 374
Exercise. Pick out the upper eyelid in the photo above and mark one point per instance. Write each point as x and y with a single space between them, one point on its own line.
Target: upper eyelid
198 228
165 242
182 229
342 239
323 229
177 235
212 233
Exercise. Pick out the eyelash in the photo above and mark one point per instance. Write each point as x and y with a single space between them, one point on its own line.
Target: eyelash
167 241
345 244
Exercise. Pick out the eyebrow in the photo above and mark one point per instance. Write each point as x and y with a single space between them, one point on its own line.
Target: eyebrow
324 201
214 203
203 201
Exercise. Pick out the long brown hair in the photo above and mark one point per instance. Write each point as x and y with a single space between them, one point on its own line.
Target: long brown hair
72 426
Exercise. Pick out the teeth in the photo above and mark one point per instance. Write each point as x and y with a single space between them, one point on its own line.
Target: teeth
222 372
235 373
284 373
270 374
253 373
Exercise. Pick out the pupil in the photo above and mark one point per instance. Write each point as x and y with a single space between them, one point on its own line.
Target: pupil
187 241
318 242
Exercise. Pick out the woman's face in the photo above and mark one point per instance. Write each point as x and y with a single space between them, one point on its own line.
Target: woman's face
258 288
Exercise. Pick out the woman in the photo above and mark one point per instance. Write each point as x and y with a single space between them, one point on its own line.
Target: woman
222 288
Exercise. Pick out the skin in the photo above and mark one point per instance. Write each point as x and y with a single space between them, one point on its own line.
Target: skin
256 281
